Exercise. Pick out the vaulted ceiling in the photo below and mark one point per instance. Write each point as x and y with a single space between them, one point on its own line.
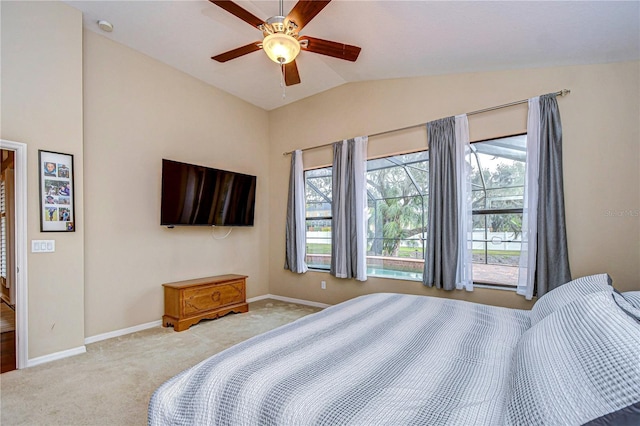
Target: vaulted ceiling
398 39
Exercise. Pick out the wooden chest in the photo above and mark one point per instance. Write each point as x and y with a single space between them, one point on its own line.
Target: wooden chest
188 302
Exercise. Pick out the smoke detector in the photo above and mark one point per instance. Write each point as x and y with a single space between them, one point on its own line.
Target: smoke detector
105 26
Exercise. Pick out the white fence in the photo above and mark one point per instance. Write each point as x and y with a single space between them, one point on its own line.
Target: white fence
501 241
497 241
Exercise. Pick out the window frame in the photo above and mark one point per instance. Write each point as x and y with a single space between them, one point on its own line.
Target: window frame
311 218
493 211
425 196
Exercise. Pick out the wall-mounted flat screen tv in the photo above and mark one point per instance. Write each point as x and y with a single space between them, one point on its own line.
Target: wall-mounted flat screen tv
198 195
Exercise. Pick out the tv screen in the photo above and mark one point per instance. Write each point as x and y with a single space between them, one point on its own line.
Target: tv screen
197 195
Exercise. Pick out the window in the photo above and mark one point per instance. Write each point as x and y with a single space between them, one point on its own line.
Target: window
396 224
497 184
318 220
397 205
398 201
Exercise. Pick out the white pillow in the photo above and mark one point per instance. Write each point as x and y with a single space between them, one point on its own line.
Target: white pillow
578 364
567 293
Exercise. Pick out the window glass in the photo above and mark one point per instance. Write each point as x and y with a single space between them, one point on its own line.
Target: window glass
397 204
497 179
318 217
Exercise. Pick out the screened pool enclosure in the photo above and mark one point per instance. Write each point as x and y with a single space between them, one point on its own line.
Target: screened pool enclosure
398 202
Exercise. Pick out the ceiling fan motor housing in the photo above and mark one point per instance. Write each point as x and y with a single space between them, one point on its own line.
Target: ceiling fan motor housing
279 24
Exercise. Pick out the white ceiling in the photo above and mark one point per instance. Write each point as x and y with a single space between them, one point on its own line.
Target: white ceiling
398 39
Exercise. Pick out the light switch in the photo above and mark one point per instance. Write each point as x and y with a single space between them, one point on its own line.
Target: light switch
43 246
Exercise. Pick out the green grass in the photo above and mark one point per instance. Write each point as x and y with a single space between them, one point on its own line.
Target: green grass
498 252
315 248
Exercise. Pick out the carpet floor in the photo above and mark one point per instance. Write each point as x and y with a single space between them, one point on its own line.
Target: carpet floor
112 383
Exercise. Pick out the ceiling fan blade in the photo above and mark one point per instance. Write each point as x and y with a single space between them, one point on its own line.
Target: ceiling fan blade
236 10
291 75
331 48
305 10
236 53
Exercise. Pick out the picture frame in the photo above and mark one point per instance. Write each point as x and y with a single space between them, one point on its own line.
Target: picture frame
57 201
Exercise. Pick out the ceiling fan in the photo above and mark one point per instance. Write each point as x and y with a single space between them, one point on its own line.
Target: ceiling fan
281 42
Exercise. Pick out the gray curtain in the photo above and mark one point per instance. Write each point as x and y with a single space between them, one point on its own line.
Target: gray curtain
295 248
345 259
441 256
552 264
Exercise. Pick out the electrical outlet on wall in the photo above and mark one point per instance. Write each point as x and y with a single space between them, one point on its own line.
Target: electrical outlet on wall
323 285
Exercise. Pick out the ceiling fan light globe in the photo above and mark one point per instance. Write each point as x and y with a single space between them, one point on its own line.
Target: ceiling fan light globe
281 48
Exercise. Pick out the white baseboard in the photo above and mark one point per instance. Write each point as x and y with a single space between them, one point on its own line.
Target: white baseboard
56 356
122 332
82 349
289 300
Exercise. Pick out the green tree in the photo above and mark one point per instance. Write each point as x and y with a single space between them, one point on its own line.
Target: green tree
396 205
500 186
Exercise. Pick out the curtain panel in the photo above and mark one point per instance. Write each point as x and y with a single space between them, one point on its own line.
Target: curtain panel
552 264
349 209
544 259
295 241
441 255
464 269
526 272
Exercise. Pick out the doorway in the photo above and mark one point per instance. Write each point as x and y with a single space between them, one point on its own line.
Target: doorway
13 255
7 263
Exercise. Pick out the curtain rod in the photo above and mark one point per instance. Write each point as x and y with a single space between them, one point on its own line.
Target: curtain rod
563 92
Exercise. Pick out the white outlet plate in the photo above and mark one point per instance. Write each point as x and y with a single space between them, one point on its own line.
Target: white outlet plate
323 285
43 246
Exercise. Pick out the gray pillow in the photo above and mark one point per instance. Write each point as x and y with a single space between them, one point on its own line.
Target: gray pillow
628 305
567 293
627 416
578 364
632 297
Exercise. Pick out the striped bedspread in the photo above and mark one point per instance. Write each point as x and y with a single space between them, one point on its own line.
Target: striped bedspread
381 359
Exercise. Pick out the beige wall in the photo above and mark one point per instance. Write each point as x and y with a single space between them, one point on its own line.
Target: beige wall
108 274
601 157
137 112
42 107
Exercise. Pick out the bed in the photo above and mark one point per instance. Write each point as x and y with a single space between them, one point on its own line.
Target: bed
392 359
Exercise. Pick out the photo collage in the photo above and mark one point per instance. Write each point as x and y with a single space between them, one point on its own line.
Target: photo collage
57 193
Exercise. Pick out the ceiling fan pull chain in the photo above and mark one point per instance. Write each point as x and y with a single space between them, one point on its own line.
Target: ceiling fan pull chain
282 80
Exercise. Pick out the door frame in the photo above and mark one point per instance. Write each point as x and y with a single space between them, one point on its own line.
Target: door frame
20 176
